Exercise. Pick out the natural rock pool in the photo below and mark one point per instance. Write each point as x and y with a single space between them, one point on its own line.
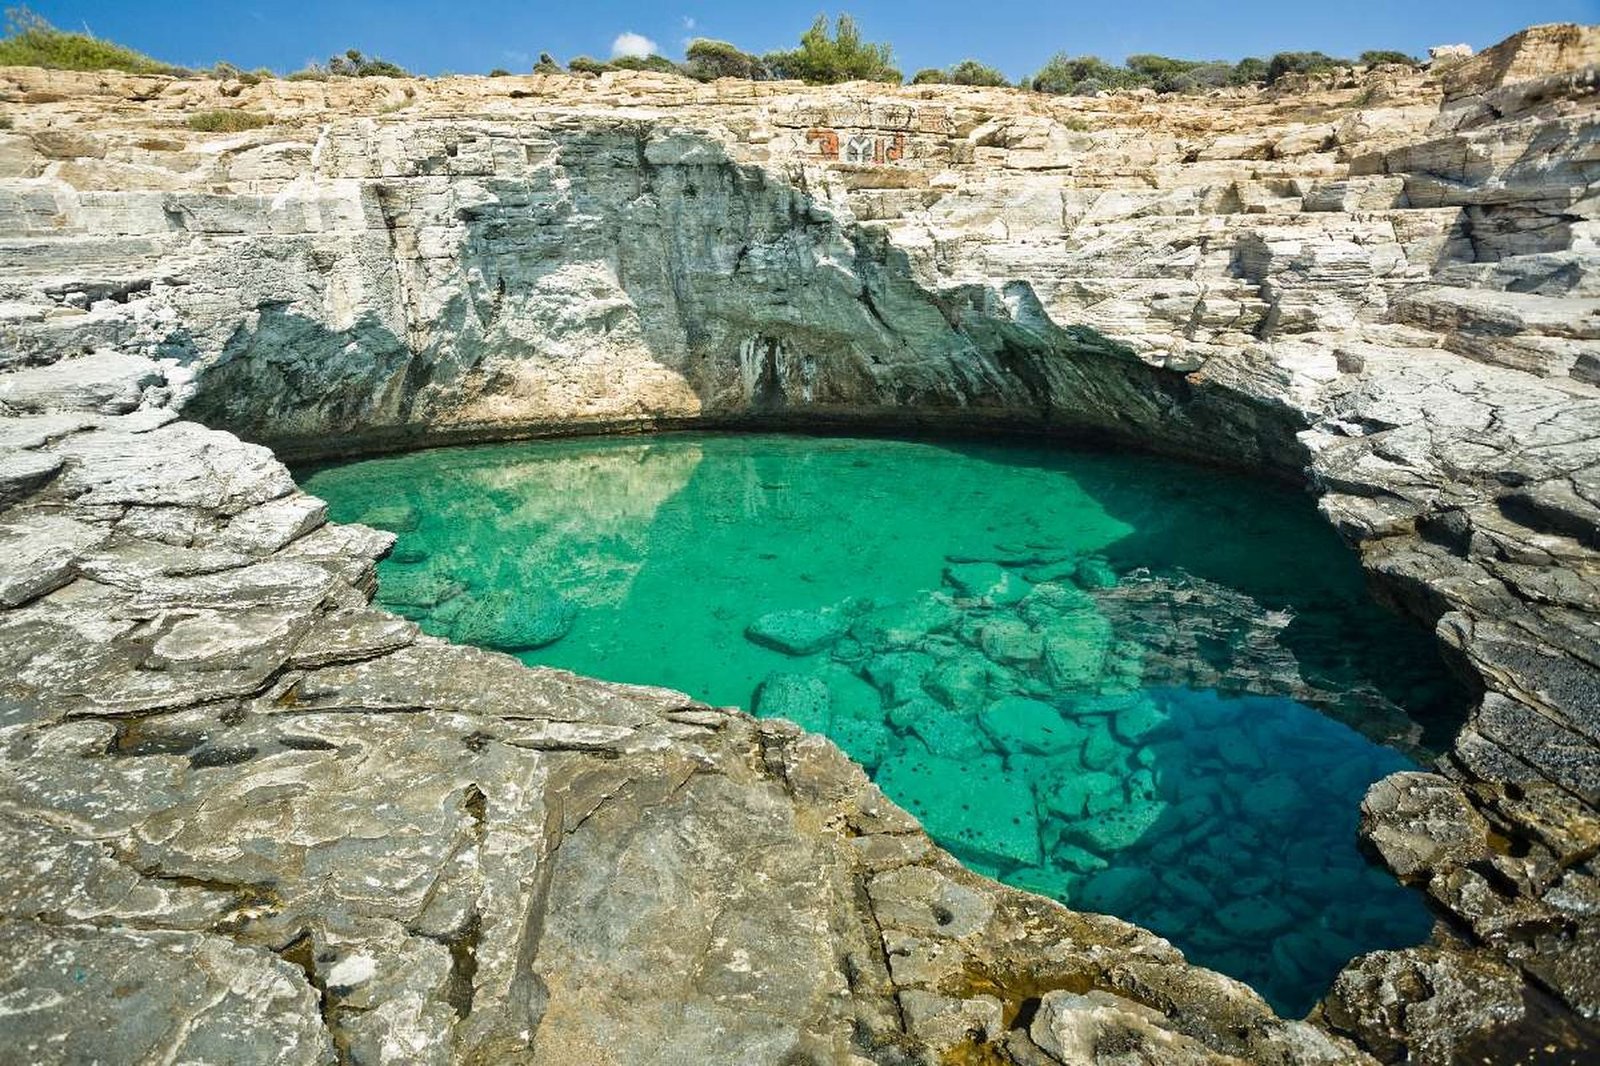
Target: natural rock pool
1136 686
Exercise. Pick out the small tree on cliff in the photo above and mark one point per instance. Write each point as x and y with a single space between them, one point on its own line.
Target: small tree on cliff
824 60
355 65
708 60
966 72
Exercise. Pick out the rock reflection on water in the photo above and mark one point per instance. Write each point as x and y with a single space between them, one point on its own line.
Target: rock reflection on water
484 560
1090 676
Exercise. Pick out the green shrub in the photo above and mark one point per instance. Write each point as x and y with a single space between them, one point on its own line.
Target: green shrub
586 65
1249 71
966 72
1301 63
1212 74
499 72
658 64
355 65
30 41
1380 56
972 72
1166 74
312 72
228 72
708 60
1154 67
547 64
825 60
1065 75
227 121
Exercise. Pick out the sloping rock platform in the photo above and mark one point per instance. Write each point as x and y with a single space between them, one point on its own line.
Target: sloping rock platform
250 818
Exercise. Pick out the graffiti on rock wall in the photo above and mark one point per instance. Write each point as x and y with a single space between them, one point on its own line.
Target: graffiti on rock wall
827 142
859 147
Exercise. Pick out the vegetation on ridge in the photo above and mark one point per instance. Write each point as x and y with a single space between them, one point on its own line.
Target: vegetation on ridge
828 53
30 41
825 60
225 121
966 72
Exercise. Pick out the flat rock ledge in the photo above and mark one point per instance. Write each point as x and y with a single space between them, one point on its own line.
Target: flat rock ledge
254 819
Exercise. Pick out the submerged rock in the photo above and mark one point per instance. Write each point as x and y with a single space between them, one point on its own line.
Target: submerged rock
512 620
946 733
1010 640
905 624
1018 724
1075 649
1119 827
1122 887
974 803
801 698
800 632
988 583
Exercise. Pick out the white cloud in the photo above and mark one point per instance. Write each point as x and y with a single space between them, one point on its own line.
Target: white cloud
632 44
688 22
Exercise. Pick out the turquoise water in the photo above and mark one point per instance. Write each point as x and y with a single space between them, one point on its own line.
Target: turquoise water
1132 685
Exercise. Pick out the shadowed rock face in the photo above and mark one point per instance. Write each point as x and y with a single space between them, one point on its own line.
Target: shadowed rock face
300 832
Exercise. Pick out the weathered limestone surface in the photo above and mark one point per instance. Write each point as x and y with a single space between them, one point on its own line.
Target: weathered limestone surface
252 819
299 831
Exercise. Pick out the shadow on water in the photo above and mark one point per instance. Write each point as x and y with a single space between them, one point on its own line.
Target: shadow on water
1090 675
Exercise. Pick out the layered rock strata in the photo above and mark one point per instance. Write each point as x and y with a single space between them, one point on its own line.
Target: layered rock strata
298 825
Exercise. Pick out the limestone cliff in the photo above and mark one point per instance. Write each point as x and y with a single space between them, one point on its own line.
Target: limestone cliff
1384 281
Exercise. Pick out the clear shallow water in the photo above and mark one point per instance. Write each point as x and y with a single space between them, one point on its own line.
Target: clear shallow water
1134 686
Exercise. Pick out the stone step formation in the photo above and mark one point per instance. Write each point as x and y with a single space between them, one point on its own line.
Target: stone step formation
266 822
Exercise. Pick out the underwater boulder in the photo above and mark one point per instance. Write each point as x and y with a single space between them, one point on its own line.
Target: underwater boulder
943 732
866 740
898 674
905 623
801 698
988 583
799 632
974 806
1120 889
419 589
961 682
513 621
1094 573
1139 719
1075 648
1069 797
1019 724
1051 573
1010 640
1111 831
394 517
1254 917
1101 749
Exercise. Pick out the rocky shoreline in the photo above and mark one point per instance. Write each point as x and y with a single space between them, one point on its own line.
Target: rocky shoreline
266 822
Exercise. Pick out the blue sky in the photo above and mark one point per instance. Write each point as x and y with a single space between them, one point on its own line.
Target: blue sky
473 36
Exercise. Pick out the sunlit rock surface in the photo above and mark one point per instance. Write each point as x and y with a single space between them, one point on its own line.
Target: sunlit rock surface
284 814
